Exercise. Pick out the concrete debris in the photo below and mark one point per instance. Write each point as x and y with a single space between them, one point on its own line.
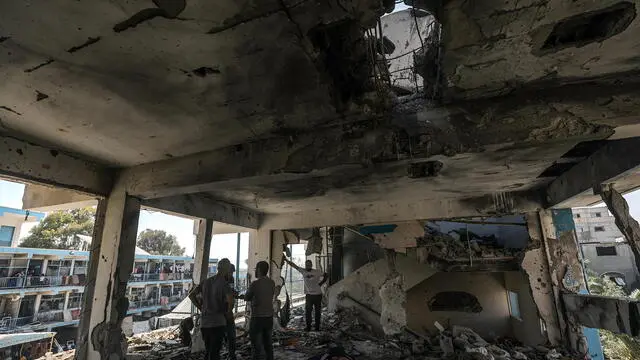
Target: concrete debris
345 336
462 244
394 316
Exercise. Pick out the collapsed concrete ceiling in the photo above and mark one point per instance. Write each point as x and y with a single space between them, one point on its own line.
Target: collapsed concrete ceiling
512 87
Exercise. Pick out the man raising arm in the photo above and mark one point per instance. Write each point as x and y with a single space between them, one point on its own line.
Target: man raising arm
313 281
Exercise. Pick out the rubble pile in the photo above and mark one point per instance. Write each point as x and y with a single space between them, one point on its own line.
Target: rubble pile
462 244
159 344
345 336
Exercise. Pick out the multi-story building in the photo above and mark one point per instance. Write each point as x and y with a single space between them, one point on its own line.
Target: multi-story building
41 289
11 221
604 247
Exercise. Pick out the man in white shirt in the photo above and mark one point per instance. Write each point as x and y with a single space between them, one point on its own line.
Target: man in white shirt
313 280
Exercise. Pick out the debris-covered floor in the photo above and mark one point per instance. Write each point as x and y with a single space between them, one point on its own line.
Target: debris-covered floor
345 336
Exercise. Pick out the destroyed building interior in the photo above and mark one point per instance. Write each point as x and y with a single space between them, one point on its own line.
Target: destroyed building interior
427 152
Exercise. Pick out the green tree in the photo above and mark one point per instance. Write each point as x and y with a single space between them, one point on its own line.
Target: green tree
158 242
60 229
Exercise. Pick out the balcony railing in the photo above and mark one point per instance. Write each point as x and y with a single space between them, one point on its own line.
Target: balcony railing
159 277
39 281
143 303
50 316
8 325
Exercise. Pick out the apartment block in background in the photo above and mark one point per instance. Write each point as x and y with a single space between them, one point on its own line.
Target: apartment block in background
604 247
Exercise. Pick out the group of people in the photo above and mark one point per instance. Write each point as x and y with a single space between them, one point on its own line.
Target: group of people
217 301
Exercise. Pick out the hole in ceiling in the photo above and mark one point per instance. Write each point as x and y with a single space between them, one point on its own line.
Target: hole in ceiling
455 301
586 28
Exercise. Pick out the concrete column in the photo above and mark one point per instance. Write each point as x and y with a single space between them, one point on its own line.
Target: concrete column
36 304
73 267
66 300
203 248
259 250
13 307
105 303
567 273
45 264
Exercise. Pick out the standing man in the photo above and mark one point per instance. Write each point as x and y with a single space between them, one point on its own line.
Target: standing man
217 309
261 293
231 325
313 280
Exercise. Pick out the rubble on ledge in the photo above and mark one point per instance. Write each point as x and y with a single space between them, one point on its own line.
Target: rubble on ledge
461 244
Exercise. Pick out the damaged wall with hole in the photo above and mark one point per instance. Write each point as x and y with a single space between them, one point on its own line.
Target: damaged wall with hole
476 296
493 47
490 319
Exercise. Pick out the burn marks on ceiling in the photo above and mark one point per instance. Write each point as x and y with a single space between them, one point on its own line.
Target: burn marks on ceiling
169 9
343 58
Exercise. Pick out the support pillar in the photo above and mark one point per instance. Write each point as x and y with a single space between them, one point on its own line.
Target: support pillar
567 276
535 265
66 300
259 250
203 248
105 303
45 265
72 268
36 304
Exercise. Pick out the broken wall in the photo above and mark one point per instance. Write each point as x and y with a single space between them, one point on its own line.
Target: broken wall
364 285
493 319
527 328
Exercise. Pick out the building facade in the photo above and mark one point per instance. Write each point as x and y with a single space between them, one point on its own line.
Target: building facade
42 289
11 221
604 248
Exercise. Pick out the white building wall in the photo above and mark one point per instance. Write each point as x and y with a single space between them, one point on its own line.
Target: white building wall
596 228
593 228
16 218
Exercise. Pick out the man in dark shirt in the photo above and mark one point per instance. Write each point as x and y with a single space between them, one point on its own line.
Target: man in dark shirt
231 325
260 294
217 305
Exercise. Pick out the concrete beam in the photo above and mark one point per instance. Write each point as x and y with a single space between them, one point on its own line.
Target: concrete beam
526 118
610 164
46 198
25 161
201 206
386 211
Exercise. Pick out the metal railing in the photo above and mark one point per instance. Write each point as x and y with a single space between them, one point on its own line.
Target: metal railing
8 325
175 299
143 303
36 281
159 277
50 316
